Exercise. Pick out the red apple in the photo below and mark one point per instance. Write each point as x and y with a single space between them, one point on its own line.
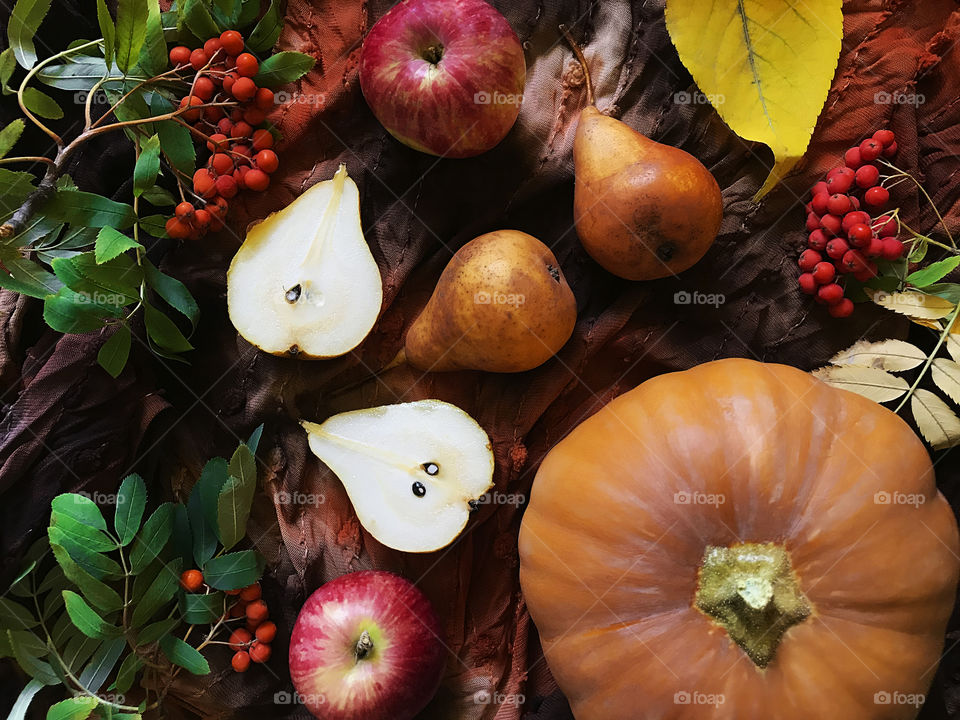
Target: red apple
444 76
367 646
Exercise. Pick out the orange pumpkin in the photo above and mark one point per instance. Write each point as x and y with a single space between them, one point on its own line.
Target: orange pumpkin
740 541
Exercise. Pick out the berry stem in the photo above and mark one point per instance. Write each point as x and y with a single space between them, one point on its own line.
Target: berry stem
926 366
583 63
920 187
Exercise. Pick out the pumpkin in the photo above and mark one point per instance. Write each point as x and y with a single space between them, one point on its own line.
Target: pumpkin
741 541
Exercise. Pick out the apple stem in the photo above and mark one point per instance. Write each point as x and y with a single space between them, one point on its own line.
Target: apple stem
364 646
583 63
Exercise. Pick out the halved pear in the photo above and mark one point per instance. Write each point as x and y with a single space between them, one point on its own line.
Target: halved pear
304 282
411 470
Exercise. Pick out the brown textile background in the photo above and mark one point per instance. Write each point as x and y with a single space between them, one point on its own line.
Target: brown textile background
68 426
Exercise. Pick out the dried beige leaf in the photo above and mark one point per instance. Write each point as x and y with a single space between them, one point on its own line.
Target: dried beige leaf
895 355
937 422
912 304
873 383
953 346
946 374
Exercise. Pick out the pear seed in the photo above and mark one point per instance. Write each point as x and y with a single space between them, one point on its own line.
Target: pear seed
419 489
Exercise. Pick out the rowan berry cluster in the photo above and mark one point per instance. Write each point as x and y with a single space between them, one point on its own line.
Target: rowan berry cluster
845 240
230 110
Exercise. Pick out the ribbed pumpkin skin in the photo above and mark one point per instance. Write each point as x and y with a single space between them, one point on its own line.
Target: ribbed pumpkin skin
609 560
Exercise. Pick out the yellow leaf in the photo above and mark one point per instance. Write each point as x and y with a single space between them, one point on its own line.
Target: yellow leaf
873 383
937 422
913 304
946 374
766 66
895 355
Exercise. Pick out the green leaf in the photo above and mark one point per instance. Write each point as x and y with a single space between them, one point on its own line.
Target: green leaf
201 530
131 32
180 653
154 631
131 502
198 19
207 489
35 668
163 331
102 663
41 104
86 618
115 351
197 609
148 165
226 12
160 592
233 571
254 442
80 508
88 210
9 136
108 31
236 498
154 225
25 19
13 616
153 55
76 74
98 565
14 188
933 272
8 63
177 146
182 536
249 9
131 665
79 648
19 709
76 708
89 537
948 291
101 595
159 197
111 282
152 538
174 292
26 277
71 312
283 68
267 31
111 242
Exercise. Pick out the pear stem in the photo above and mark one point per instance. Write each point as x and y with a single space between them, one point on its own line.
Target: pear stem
583 63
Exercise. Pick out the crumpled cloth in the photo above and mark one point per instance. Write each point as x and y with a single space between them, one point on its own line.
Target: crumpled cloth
69 426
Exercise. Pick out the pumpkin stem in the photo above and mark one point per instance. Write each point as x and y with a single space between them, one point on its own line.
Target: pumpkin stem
751 591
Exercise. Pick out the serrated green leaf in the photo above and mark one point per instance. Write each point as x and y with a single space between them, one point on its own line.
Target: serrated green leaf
254 442
14 188
933 272
80 508
919 251
233 571
153 55
13 616
152 538
113 354
76 708
113 282
131 665
101 595
283 68
86 619
267 31
71 312
180 653
226 13
160 592
249 10
111 242
198 19
38 231
159 197
28 643
131 32
9 136
154 631
177 145
79 648
201 530
39 103
88 210
163 331
154 225
89 537
22 25
148 165
26 277
131 502
197 609
207 489
102 663
98 565
236 497
8 63
174 292
107 29
76 74
34 667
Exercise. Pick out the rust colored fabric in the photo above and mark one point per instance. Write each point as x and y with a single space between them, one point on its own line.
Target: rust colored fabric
68 426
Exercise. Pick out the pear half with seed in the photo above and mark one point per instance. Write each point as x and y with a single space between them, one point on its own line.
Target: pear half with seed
411 470
304 282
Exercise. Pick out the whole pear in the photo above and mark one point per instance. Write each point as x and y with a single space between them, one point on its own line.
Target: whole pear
501 305
642 209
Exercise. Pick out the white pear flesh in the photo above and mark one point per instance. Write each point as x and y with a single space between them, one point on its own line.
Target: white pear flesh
381 453
304 282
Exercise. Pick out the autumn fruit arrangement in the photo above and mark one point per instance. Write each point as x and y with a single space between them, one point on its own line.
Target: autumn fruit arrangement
735 558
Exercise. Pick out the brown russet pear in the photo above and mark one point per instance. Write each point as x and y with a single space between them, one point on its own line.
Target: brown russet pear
642 209
501 305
